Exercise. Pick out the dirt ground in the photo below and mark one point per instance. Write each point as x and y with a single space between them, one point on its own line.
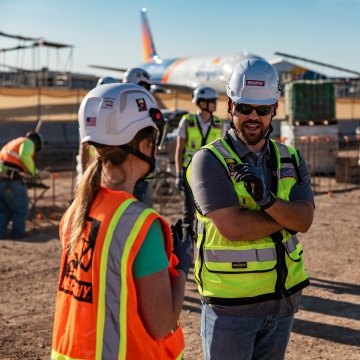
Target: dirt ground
327 326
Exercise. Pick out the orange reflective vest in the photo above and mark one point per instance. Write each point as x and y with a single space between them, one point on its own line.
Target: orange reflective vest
10 152
96 314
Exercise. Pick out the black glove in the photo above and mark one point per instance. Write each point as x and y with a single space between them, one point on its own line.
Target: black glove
254 184
179 181
182 248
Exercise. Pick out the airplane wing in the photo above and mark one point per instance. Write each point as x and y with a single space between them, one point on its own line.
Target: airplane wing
111 68
160 87
156 86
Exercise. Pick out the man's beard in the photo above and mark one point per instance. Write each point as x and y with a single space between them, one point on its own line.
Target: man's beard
252 137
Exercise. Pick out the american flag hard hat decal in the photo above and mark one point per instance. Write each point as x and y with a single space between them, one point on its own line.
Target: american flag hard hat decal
90 121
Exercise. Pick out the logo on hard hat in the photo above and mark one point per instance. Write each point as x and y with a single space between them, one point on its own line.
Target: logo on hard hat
141 104
108 103
255 82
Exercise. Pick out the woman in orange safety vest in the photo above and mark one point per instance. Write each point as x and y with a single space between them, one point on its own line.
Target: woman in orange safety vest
121 284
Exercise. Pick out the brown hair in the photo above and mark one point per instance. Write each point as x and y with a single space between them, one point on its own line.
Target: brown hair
90 182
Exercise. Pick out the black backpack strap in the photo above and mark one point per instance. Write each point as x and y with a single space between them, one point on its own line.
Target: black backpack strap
272 164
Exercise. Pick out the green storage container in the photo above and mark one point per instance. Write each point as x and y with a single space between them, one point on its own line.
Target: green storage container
310 101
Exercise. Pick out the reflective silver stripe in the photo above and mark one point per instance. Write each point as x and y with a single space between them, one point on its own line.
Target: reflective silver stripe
240 255
13 154
221 149
284 154
111 339
283 150
248 255
200 227
291 243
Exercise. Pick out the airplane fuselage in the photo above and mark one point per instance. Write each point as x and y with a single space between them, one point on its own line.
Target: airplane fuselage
193 72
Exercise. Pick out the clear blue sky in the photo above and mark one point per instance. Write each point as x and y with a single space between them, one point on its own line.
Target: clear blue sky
107 32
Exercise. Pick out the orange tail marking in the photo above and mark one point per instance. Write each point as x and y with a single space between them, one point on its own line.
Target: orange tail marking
147 42
170 69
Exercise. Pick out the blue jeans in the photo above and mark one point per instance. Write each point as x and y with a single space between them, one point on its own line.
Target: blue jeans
14 205
244 338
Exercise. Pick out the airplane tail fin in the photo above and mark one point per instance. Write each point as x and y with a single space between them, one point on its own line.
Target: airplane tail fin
148 46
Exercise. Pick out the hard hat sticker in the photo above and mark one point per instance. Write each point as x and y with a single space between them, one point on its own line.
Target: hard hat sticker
108 103
90 121
141 104
255 82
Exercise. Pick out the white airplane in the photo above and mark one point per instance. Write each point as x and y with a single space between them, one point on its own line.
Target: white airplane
185 73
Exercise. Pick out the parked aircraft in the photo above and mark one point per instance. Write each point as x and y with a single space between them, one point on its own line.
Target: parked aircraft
184 73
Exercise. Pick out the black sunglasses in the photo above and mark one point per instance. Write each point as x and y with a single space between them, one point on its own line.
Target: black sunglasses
246 109
212 100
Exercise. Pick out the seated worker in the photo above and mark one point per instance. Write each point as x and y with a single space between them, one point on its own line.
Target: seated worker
17 161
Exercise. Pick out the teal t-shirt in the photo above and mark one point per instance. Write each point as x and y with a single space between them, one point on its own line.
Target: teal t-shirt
151 257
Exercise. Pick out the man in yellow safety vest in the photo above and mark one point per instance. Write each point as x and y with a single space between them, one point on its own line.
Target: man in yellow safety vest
195 130
252 196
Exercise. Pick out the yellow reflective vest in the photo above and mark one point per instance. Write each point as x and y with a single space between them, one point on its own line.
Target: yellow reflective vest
194 137
244 272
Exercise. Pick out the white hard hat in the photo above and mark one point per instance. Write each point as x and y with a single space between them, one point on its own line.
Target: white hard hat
113 114
204 92
137 76
254 81
106 80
